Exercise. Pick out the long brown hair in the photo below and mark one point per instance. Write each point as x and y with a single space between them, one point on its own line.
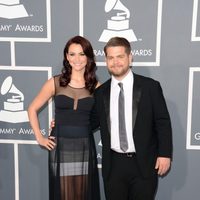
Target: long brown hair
90 68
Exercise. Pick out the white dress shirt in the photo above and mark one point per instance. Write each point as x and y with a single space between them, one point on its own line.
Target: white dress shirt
128 95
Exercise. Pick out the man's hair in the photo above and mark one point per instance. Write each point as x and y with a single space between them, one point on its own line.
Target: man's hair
118 41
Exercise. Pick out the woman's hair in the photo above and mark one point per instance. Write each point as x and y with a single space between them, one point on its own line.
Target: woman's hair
90 68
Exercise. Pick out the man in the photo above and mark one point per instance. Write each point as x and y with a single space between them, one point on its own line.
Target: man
130 170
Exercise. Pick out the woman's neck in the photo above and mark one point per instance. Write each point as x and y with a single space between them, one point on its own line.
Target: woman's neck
77 80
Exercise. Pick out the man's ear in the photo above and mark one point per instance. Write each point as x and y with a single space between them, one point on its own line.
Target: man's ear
130 59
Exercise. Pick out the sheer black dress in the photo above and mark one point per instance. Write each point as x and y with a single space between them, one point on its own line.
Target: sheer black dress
73 173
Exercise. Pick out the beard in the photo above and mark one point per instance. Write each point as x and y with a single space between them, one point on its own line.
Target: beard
119 73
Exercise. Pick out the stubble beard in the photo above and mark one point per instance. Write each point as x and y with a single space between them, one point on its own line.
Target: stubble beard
120 73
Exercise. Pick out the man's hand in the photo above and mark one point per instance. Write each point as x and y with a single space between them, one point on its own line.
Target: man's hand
162 165
52 125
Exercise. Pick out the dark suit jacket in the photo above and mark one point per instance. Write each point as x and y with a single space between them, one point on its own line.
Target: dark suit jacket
152 132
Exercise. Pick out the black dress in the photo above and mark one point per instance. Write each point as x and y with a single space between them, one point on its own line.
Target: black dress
73 173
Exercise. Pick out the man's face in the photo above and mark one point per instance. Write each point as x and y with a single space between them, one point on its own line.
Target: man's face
118 61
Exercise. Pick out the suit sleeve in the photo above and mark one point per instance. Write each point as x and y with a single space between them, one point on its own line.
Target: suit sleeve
94 117
162 122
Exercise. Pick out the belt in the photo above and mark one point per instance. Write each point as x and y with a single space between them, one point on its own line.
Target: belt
129 154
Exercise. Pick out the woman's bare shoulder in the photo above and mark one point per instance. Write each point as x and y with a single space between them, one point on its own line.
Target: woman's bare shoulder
98 84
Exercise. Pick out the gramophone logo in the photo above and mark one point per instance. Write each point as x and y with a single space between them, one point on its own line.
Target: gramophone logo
25 20
13 111
118 25
12 9
140 25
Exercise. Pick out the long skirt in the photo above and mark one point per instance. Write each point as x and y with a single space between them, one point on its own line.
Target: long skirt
73 173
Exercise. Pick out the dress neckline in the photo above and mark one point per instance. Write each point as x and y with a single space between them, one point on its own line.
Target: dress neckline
76 87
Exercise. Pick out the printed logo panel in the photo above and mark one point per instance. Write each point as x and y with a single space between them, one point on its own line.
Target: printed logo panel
137 21
193 125
21 20
16 93
195 35
98 148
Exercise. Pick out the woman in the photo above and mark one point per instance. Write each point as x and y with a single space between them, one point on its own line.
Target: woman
73 173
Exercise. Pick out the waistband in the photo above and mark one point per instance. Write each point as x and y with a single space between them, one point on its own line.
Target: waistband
71 131
128 154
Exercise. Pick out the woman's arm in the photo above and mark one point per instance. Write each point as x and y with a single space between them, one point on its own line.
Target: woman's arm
47 91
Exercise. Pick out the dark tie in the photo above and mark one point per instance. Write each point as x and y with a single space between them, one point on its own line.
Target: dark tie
122 128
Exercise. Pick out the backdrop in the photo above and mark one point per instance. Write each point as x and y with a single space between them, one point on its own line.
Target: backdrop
165 39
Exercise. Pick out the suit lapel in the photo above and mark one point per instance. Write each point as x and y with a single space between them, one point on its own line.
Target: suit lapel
137 91
106 99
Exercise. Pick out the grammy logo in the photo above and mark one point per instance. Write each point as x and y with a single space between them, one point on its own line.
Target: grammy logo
118 25
11 9
13 107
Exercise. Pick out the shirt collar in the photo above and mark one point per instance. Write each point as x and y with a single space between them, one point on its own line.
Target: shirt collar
126 80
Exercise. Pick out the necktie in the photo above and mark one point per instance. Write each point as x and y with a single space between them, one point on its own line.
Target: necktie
122 128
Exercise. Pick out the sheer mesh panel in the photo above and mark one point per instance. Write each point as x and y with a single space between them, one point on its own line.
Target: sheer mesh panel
69 91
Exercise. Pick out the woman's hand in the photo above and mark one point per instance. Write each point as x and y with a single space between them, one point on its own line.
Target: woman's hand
48 143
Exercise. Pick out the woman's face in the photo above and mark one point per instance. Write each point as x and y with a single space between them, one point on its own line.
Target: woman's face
76 57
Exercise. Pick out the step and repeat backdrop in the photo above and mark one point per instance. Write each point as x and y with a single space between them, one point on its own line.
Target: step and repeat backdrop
165 40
